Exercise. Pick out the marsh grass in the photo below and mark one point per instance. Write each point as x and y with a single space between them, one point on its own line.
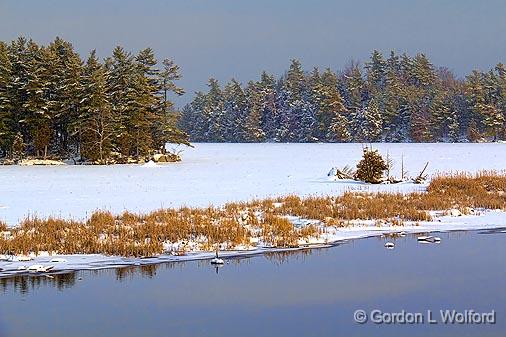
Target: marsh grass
3 226
235 224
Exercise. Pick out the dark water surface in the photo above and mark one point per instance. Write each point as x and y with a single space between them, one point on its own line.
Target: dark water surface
305 294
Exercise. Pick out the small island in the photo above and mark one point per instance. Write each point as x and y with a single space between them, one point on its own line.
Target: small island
55 107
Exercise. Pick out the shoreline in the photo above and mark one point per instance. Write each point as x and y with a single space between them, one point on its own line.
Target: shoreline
488 220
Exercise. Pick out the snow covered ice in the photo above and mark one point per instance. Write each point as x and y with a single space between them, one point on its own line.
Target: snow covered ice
218 173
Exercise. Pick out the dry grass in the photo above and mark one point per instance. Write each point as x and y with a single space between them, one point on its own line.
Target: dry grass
235 224
3 226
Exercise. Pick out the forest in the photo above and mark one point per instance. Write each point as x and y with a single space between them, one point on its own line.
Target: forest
387 99
53 104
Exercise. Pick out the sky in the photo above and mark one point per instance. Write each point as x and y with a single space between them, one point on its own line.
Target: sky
238 39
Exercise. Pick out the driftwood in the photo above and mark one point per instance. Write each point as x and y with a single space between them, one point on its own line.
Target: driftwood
345 173
420 179
348 173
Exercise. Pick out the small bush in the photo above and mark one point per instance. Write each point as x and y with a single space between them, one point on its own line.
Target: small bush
372 167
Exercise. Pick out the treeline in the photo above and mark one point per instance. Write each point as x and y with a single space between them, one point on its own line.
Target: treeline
54 104
394 99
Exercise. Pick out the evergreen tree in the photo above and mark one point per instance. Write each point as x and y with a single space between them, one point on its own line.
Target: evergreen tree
392 119
255 108
193 120
7 122
376 72
475 97
96 121
235 109
268 96
295 82
37 108
166 130
214 112
331 112
19 62
65 95
372 167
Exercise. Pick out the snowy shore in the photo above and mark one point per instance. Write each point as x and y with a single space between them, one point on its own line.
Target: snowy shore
486 220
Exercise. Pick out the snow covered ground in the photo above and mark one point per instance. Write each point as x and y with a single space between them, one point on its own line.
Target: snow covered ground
217 173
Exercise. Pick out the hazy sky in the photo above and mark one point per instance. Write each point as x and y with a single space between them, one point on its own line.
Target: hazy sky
236 38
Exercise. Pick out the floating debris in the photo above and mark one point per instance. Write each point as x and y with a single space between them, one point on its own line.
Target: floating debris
425 239
38 268
429 239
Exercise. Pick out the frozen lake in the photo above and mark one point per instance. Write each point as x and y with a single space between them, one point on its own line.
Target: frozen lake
217 173
312 294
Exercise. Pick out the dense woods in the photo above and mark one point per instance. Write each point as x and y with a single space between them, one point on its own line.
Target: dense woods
55 105
390 99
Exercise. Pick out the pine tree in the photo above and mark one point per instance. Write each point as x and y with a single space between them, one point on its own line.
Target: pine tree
501 103
423 71
392 119
19 60
376 72
295 82
494 119
330 109
255 108
141 116
7 122
474 93
37 116
235 110
213 111
268 96
193 121
166 130
444 124
96 121
65 95
308 130
286 122
373 120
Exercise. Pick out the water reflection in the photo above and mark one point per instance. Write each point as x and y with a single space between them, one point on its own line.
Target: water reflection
26 283
295 293
23 284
